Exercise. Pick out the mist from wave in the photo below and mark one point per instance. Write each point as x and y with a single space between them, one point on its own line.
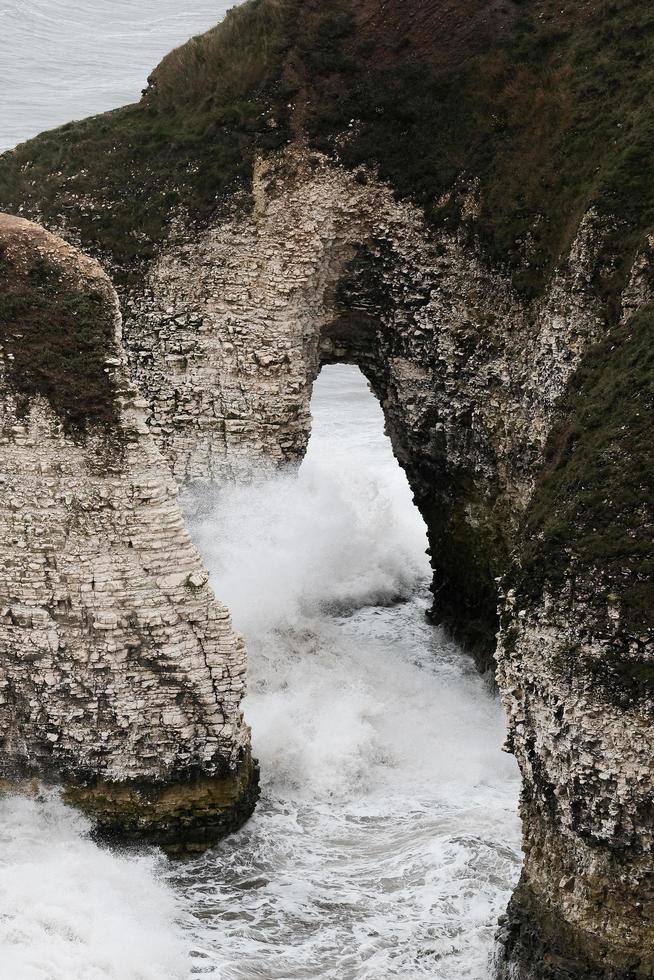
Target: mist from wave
386 841
70 910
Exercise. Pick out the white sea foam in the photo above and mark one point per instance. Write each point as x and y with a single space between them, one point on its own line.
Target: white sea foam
70 910
385 844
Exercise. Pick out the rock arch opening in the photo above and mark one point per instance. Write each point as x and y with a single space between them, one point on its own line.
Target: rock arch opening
382 314
331 268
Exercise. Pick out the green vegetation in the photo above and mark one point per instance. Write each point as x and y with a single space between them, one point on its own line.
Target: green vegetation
119 178
593 510
55 341
554 116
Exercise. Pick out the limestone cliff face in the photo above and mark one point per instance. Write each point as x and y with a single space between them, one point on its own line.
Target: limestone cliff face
120 674
580 725
226 339
576 671
458 198
234 324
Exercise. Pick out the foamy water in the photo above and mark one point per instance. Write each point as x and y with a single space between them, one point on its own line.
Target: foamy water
70 910
386 840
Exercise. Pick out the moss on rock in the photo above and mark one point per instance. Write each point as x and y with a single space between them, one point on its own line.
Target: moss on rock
467 559
56 333
544 108
183 818
536 943
592 514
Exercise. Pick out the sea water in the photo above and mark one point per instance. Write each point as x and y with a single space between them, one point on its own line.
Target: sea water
386 840
67 59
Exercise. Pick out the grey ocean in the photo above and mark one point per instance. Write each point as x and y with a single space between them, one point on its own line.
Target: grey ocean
386 842
67 59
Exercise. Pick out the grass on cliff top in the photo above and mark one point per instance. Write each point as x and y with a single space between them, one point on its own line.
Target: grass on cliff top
593 508
555 115
119 178
54 341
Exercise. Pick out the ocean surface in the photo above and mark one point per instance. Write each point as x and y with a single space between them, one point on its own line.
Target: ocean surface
67 59
386 842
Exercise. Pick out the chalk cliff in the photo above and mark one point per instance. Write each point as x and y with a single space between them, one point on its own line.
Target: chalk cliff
120 674
458 198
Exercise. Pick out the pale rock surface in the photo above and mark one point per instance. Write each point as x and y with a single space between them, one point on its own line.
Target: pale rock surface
225 338
116 661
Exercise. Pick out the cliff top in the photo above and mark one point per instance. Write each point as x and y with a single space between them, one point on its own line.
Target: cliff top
540 109
58 320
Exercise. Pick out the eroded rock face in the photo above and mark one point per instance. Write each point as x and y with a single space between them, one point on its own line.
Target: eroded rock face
235 323
120 673
481 114
576 672
580 725
226 341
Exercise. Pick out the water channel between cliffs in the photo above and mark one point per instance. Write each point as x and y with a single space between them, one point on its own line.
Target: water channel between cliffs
386 842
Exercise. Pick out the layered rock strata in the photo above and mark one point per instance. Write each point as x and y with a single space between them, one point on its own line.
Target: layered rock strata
120 674
226 339
576 672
